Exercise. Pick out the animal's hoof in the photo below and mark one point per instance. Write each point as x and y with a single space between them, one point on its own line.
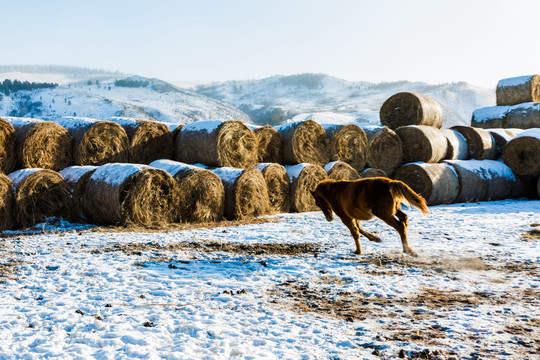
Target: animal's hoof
358 252
376 239
411 253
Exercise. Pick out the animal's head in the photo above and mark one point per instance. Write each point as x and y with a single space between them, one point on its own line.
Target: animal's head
323 204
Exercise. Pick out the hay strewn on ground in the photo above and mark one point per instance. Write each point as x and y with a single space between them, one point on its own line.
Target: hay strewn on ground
304 178
480 144
8 145
522 154
518 90
278 185
348 143
407 108
385 151
304 142
339 170
7 203
422 143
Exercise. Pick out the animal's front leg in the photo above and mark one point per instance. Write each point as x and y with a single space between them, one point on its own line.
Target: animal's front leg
351 224
370 236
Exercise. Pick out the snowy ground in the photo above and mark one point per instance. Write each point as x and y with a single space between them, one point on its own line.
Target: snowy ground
287 288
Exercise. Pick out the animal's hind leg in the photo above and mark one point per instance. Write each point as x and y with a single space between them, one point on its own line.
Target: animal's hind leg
370 236
399 222
352 225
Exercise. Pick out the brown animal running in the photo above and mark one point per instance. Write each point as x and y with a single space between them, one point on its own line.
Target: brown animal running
364 199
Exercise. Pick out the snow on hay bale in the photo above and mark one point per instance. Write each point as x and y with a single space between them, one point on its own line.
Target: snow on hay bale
502 137
42 144
437 183
246 194
522 153
304 178
304 142
348 143
490 117
422 143
457 145
485 180
96 142
201 195
269 144
217 143
150 140
406 108
39 195
278 184
385 151
131 194
7 203
339 170
8 146
77 179
517 90
524 116
480 143
372 172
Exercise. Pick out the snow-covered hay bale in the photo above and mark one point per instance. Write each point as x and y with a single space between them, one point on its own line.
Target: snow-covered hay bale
217 143
517 90
96 142
77 179
269 144
372 172
304 178
503 136
490 117
278 185
385 151
456 145
131 194
524 116
422 143
480 143
40 194
149 140
348 143
246 194
7 203
339 170
42 144
437 183
522 153
201 195
304 142
406 108
8 146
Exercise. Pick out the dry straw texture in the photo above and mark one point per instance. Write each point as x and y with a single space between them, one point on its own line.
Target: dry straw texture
201 195
246 194
407 108
8 145
269 148
217 143
339 170
278 184
372 172
7 203
503 136
437 183
480 143
131 195
150 140
522 154
490 117
96 142
518 90
77 179
348 143
40 194
385 151
304 142
42 144
456 145
304 179
422 143
524 116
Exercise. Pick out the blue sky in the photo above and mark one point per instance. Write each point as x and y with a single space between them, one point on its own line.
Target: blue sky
479 41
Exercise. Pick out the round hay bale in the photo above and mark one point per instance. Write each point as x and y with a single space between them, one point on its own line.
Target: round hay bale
457 145
437 183
201 195
490 117
304 178
246 194
131 194
278 185
518 90
42 144
422 143
217 143
174 128
524 116
348 143
7 203
406 108
522 154
96 142
77 179
339 170
150 140
304 142
8 146
39 195
269 143
480 143
372 172
385 151
502 136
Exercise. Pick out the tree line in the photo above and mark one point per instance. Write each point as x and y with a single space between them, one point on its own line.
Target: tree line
8 86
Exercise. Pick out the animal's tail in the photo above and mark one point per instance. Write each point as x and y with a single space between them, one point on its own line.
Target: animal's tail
406 195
